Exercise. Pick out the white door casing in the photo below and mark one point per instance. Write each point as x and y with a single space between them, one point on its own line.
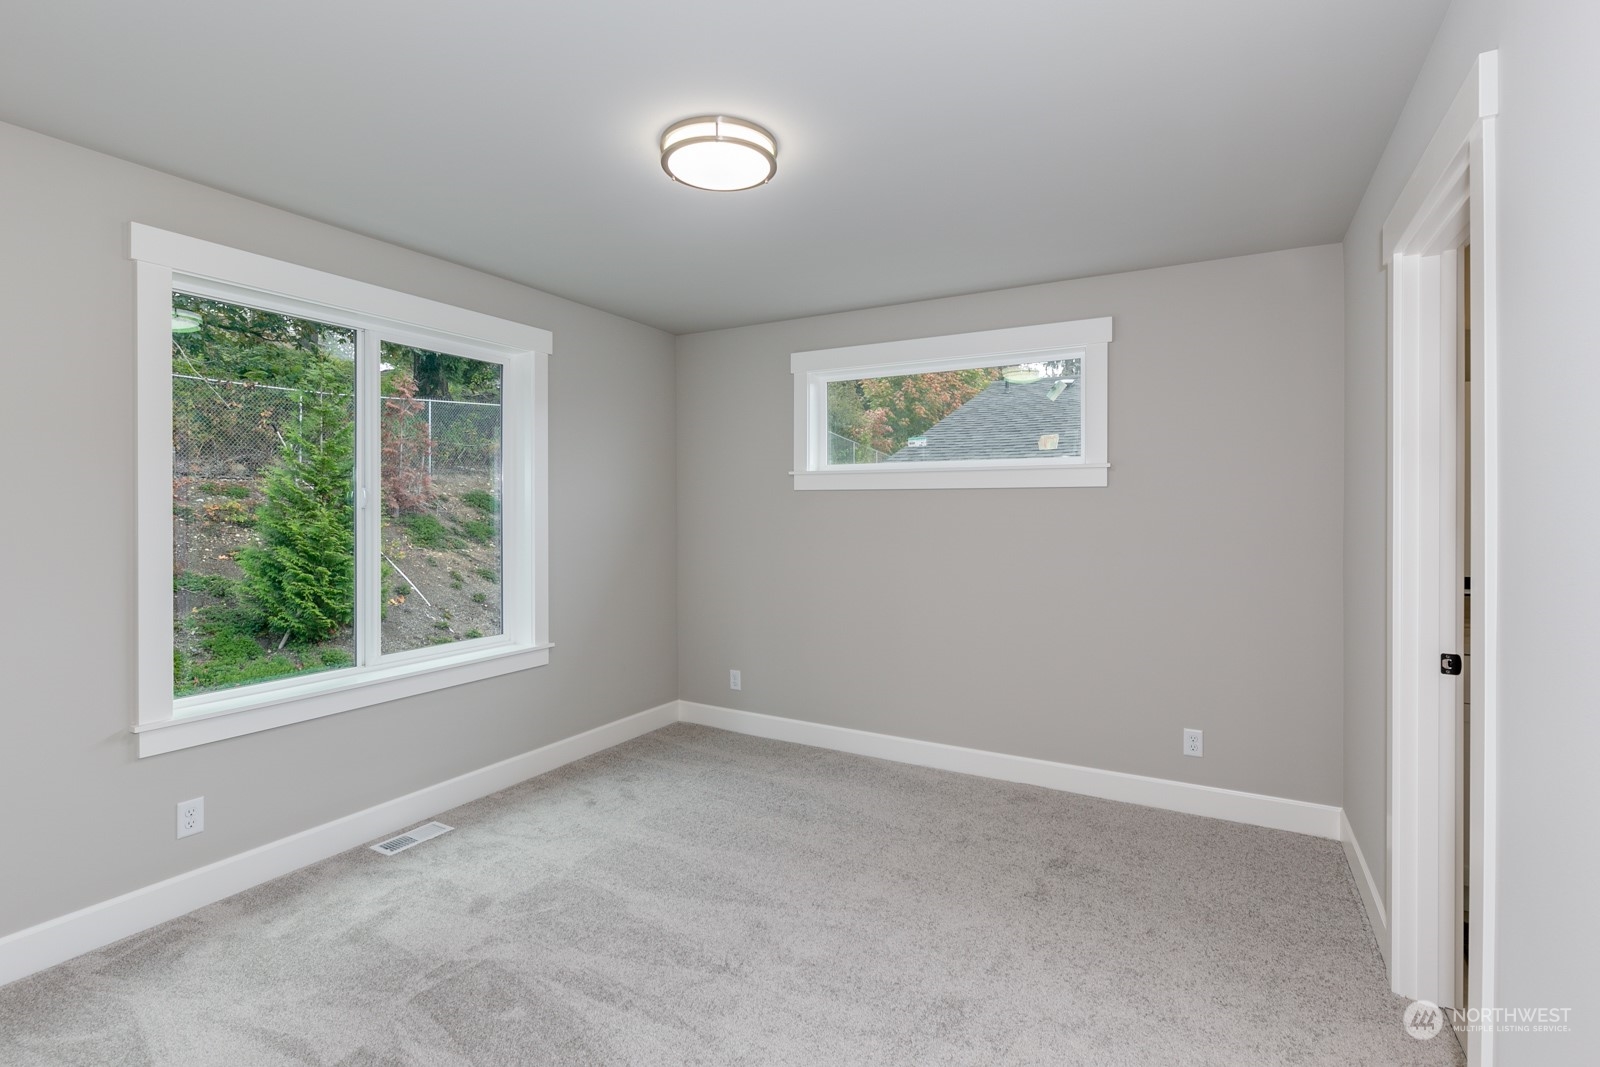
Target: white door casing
1448 202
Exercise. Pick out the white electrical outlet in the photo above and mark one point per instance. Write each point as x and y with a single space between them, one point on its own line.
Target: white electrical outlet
1194 743
734 681
191 816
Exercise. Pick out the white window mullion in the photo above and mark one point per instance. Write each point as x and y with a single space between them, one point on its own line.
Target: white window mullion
369 500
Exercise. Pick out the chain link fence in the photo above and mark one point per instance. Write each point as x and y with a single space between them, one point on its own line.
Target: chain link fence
842 449
224 429
465 435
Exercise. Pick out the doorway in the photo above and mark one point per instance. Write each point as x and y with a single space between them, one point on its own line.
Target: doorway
1439 246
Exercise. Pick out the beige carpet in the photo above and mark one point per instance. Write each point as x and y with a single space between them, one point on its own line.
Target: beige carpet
699 897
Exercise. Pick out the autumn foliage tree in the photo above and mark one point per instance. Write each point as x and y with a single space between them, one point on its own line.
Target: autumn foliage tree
404 442
885 413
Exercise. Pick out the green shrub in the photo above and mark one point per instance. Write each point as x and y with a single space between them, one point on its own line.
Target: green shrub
489 574
240 615
302 575
218 675
481 499
230 646
480 597
481 530
231 654
426 531
210 584
473 635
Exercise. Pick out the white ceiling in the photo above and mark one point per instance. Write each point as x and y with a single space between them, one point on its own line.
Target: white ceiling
926 147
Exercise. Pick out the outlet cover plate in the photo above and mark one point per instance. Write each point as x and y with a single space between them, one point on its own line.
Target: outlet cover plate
191 816
734 680
1194 743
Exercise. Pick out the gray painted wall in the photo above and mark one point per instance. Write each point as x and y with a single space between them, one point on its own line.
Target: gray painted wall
88 821
1550 519
1200 589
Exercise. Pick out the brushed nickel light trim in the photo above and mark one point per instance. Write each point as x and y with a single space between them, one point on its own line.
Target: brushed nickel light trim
754 160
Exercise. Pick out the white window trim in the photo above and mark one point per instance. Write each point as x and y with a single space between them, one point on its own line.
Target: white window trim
1087 339
163 260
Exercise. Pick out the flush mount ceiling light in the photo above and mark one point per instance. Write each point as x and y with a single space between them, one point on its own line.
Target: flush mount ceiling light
719 153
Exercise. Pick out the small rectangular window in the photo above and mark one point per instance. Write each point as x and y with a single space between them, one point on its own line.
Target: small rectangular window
1027 411
341 493
1006 408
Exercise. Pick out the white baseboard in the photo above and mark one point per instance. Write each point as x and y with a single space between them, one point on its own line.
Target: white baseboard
49 943
1278 813
1371 898
58 940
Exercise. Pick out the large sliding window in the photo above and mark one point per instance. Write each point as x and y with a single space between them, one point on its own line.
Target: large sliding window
341 493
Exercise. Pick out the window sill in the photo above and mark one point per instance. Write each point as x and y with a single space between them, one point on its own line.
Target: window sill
216 717
1077 475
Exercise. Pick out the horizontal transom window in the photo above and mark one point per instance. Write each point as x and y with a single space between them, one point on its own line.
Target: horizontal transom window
1020 407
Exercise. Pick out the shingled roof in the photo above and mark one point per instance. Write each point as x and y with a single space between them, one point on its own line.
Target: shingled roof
1005 421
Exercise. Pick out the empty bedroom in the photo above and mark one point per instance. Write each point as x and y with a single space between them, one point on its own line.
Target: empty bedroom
923 535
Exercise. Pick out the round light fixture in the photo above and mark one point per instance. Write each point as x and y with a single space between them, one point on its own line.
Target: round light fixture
719 153
185 321
1022 374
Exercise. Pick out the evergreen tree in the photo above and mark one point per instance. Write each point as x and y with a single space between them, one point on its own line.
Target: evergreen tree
302 575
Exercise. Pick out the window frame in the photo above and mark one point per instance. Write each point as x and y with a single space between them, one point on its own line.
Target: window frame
166 262
1086 339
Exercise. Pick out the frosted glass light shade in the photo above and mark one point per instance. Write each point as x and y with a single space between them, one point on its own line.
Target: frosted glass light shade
719 153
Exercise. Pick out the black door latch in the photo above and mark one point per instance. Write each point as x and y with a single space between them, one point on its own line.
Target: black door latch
1449 663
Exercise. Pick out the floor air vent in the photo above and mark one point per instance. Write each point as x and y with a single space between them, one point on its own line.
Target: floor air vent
400 842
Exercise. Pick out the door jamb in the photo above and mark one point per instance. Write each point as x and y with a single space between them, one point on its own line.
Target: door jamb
1448 201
